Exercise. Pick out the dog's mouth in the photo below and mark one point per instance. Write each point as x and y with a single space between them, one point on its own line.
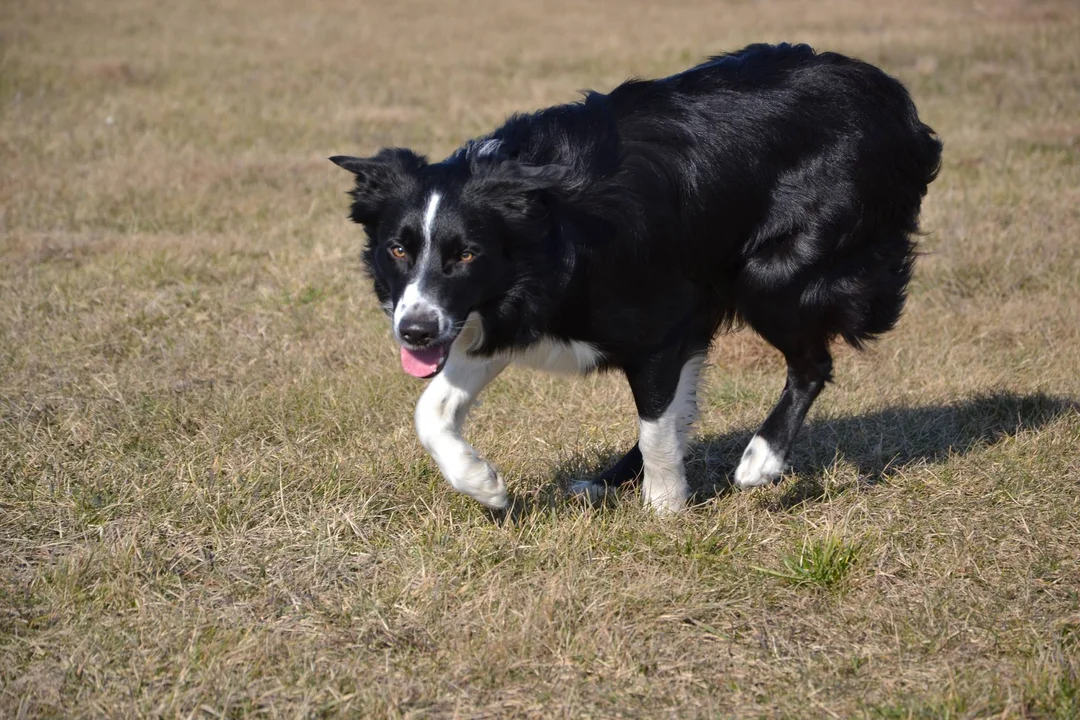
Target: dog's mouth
425 362
428 361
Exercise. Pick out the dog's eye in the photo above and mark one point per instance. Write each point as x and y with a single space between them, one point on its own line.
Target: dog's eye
466 256
398 252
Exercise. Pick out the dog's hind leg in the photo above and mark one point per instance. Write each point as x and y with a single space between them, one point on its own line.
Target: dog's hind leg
665 391
440 415
627 469
764 458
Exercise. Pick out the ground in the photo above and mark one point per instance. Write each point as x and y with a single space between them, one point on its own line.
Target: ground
212 502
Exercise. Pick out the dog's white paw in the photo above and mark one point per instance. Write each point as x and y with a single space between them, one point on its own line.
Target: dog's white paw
668 503
481 482
665 492
592 492
759 465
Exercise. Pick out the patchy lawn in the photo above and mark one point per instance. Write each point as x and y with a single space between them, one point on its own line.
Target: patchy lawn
212 502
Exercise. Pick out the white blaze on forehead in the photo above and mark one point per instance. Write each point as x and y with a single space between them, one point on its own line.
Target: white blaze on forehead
414 298
429 219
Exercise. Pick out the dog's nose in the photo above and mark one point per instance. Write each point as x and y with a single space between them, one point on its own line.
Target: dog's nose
419 329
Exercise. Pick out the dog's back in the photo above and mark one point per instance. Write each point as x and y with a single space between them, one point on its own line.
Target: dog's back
784 183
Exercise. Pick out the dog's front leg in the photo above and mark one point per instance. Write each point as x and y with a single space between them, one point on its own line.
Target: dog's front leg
665 391
440 415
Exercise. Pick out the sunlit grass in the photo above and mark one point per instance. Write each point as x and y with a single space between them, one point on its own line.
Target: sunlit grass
212 501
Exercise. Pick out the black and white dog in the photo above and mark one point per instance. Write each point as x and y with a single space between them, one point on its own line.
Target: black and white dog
774 186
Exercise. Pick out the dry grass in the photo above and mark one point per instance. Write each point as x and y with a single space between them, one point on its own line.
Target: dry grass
211 500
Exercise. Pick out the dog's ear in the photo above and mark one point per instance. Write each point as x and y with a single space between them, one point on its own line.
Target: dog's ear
514 186
513 176
378 179
540 177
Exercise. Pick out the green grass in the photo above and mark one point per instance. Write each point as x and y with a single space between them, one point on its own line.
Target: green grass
823 562
212 501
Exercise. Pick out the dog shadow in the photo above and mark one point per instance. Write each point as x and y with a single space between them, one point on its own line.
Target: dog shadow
880 445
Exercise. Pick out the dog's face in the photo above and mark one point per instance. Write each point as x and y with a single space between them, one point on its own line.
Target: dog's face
444 241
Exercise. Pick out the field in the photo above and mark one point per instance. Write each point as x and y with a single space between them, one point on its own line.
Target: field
212 502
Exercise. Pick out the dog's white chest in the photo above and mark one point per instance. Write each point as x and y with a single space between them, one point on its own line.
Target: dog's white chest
558 356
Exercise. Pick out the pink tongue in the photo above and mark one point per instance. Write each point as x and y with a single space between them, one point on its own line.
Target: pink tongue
422 363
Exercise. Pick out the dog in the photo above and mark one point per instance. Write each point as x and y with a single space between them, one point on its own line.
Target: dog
774 187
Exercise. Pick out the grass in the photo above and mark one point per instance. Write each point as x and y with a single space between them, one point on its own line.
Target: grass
824 562
212 502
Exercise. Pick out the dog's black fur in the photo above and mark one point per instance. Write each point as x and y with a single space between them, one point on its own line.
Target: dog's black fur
773 186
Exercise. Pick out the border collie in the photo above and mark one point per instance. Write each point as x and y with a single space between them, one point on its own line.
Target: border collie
774 187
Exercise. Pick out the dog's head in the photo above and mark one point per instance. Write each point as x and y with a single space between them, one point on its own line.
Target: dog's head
446 240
